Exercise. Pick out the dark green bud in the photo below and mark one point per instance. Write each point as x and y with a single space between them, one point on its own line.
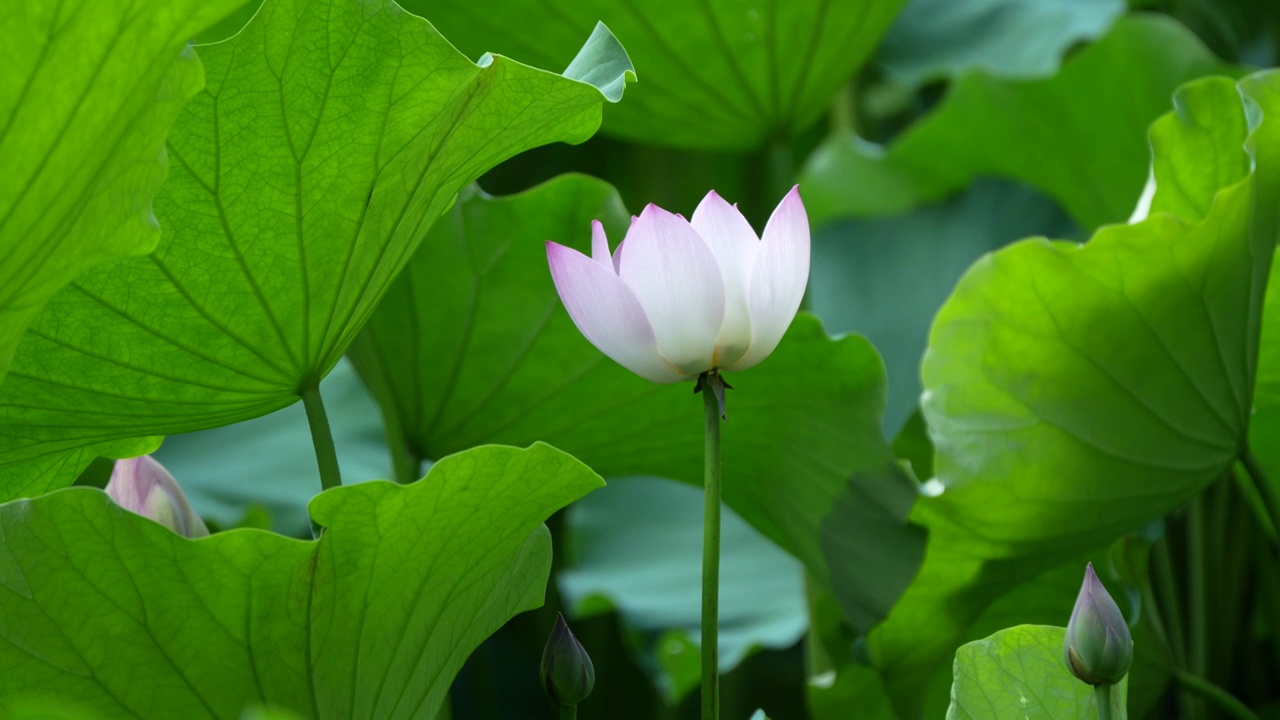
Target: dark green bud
567 673
1098 648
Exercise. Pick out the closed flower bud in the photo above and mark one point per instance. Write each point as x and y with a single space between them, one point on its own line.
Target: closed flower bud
141 485
567 673
1098 648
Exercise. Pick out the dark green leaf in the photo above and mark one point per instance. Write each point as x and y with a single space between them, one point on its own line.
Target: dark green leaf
372 620
330 135
1079 136
637 545
934 39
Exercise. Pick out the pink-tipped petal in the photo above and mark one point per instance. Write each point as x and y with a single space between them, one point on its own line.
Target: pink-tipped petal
779 277
600 245
674 275
734 245
607 313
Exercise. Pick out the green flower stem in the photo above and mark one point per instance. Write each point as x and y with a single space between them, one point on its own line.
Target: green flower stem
1264 488
1168 594
569 712
1224 700
711 556
1197 607
321 438
1103 695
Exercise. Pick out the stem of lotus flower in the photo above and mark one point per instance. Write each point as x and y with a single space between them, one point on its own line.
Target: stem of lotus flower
569 712
1103 695
712 386
321 438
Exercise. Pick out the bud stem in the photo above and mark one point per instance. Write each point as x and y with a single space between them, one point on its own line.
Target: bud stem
321 438
569 712
711 551
1102 693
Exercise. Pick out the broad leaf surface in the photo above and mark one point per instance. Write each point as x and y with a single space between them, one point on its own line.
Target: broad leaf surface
1079 136
372 620
717 74
221 469
472 345
636 547
1019 672
935 39
330 135
885 278
1074 393
88 91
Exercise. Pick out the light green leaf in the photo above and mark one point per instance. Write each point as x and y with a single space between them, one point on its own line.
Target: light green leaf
637 549
88 91
717 75
1019 672
472 345
1074 393
934 39
885 278
372 620
330 135
1079 136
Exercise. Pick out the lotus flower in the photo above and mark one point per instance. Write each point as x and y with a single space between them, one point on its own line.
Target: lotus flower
141 485
679 298
1098 648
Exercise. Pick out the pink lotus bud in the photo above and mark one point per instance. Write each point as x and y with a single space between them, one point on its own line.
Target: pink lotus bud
1098 648
141 485
681 297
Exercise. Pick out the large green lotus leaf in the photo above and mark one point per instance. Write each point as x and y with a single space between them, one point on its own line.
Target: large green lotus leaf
1079 136
718 74
1019 672
636 547
1076 392
88 91
472 345
885 278
330 135
105 608
935 39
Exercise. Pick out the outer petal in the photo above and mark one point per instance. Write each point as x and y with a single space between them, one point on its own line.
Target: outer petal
734 245
675 276
600 246
607 313
779 277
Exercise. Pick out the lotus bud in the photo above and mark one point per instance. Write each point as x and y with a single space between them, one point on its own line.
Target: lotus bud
567 673
141 485
1098 648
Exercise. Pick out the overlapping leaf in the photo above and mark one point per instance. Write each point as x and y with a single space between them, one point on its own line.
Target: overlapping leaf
1074 393
103 608
88 91
934 39
330 135
718 74
1079 136
472 345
